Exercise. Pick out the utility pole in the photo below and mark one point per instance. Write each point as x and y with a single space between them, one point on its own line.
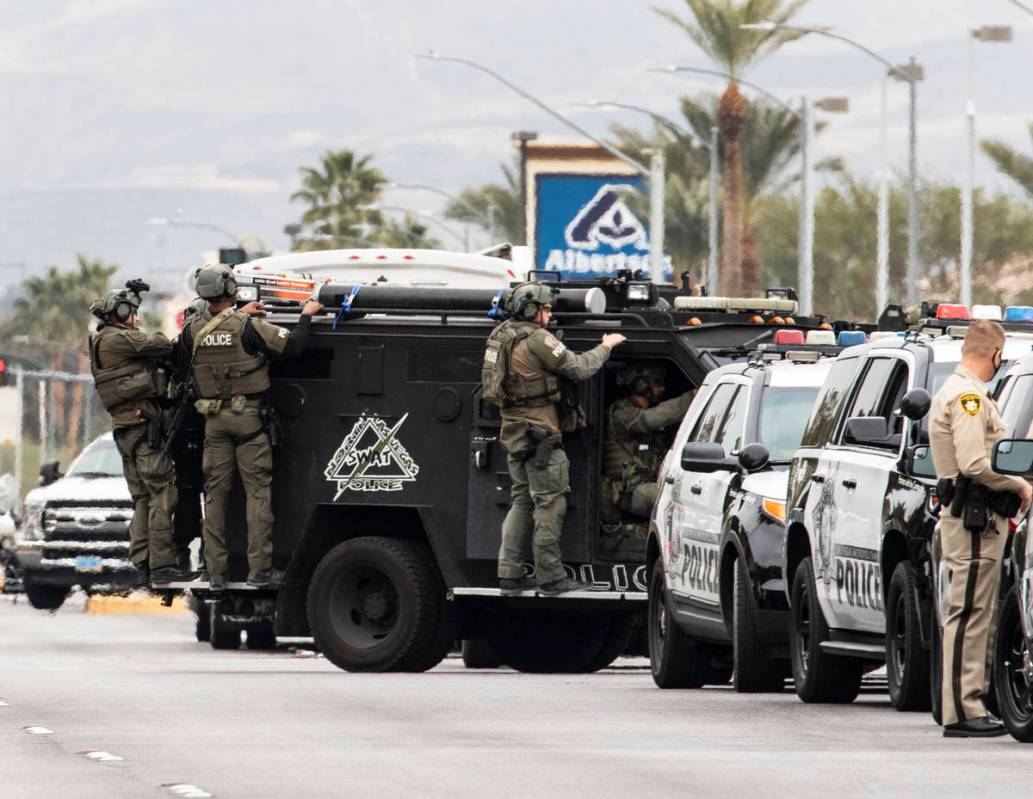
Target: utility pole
522 137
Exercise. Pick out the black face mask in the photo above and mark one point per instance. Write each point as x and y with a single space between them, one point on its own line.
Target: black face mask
998 360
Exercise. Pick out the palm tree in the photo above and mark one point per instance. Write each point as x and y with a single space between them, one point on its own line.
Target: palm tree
337 194
498 203
714 25
1012 163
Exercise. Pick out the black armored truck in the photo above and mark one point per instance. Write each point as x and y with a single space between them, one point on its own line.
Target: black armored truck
390 485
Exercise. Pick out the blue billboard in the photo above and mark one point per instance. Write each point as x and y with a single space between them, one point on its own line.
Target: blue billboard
584 227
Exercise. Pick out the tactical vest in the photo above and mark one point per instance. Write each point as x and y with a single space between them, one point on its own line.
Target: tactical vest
643 452
119 379
222 368
500 384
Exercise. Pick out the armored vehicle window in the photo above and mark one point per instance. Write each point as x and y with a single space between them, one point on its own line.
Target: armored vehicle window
830 400
730 435
710 420
444 366
314 366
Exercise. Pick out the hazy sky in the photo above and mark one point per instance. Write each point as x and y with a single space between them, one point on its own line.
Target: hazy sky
121 110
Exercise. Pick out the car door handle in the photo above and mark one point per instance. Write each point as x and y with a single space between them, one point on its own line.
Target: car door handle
818 478
669 479
696 489
850 483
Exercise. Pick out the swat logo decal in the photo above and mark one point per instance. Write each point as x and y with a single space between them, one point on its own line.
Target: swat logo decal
371 458
970 403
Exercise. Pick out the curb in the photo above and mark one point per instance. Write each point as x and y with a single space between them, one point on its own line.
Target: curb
137 603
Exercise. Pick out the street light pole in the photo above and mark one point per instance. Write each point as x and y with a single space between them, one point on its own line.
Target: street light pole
805 275
653 172
712 243
882 232
522 137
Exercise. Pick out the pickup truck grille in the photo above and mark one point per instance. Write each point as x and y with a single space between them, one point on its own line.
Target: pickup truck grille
99 530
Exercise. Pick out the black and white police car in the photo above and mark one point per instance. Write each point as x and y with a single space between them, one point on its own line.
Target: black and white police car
716 595
860 518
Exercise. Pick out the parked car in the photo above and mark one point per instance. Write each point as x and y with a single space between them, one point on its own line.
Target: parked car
861 514
717 604
75 530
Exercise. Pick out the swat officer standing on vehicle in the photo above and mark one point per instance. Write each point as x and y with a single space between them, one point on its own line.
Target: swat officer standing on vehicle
964 425
127 366
229 350
635 444
523 365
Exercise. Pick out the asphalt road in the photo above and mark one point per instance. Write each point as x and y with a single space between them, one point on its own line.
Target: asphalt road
260 724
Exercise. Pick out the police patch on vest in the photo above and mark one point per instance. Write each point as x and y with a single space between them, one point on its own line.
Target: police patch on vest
217 340
371 458
970 403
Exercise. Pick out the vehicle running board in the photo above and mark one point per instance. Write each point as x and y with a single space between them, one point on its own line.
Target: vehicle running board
197 585
626 596
854 650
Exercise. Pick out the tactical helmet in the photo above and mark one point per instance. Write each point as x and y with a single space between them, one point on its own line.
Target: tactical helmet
196 306
216 282
638 378
122 303
528 298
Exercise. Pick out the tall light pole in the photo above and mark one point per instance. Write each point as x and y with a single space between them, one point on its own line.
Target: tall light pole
654 173
989 34
685 133
521 138
1023 6
912 73
805 230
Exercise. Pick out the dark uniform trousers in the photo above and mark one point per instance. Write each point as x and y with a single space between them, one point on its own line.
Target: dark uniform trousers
151 478
537 508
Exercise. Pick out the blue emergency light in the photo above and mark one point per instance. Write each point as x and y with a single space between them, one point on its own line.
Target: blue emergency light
848 338
1018 313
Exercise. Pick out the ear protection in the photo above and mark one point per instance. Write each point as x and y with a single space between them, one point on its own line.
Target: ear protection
641 386
123 311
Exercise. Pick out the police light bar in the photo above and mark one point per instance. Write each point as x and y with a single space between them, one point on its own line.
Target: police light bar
735 304
948 311
987 312
281 287
789 337
882 335
1018 313
821 337
848 338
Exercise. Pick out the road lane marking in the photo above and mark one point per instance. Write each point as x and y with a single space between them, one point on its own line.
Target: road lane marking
100 756
187 790
38 731
3 703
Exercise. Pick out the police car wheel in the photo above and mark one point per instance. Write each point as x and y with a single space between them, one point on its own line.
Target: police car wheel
1013 674
818 675
936 668
674 660
45 597
754 670
378 604
907 664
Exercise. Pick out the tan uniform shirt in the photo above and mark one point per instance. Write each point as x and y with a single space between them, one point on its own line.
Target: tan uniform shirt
964 425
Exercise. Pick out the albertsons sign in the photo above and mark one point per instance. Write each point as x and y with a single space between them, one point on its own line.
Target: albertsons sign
585 227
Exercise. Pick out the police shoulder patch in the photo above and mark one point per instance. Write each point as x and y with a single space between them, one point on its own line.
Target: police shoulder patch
554 344
970 403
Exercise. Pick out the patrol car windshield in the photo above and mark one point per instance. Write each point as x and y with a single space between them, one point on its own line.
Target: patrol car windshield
100 459
783 415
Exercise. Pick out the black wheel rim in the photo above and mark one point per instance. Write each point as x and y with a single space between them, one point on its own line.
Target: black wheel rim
364 607
1020 688
898 641
803 629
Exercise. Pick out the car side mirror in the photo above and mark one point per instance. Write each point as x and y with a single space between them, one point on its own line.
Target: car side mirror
916 403
866 430
1013 456
920 461
699 456
753 457
50 472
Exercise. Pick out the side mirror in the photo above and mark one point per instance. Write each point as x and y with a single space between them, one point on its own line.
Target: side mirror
1013 456
916 403
49 472
866 430
753 457
698 456
920 462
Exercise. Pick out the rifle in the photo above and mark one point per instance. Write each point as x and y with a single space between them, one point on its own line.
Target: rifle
185 400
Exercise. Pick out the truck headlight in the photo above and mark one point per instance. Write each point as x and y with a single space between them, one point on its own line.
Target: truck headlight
638 292
32 523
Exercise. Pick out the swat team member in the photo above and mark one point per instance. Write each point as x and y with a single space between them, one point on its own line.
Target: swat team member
127 371
523 364
636 443
964 425
230 352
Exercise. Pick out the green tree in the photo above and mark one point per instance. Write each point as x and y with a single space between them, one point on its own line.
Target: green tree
493 206
714 25
1011 162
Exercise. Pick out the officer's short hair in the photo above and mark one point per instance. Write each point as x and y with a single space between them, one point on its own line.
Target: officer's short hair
983 338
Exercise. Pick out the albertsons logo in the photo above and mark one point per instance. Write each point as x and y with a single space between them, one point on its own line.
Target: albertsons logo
585 226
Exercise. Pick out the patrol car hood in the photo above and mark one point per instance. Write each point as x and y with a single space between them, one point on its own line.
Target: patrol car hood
81 489
772 484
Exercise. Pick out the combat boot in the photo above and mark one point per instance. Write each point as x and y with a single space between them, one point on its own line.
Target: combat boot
563 586
171 574
264 578
514 585
217 584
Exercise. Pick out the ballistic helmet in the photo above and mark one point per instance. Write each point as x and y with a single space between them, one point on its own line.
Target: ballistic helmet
639 378
216 282
120 303
527 300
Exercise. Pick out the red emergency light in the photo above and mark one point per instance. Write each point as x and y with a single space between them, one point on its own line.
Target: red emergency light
948 311
789 337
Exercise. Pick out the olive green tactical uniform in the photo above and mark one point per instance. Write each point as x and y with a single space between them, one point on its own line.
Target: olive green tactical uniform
964 425
230 383
540 478
123 361
634 447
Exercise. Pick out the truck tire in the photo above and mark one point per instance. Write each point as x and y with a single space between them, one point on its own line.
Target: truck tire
755 671
203 620
674 660
1011 676
616 642
221 636
819 676
378 604
479 654
907 663
45 597
548 642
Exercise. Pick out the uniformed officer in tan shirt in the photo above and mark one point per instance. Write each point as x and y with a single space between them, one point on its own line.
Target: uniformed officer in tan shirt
964 425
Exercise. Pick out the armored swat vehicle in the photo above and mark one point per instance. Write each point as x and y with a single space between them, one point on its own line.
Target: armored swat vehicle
390 486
